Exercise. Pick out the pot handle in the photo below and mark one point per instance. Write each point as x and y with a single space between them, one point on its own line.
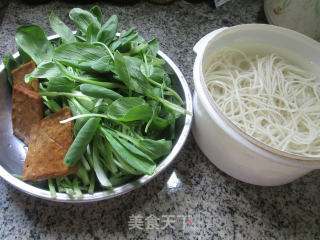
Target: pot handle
202 43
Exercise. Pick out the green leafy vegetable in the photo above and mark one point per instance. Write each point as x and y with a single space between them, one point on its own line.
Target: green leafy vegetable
119 93
141 165
99 92
59 84
129 109
73 54
83 19
83 174
61 29
96 11
97 166
108 30
52 188
24 56
44 70
10 64
33 41
92 31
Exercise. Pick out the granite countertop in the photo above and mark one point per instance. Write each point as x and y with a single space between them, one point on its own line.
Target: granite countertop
193 197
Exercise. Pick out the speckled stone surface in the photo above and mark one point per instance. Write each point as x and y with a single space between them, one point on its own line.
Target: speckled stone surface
200 200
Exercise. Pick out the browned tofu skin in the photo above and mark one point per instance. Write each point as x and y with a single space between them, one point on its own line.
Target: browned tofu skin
19 73
27 109
44 158
62 134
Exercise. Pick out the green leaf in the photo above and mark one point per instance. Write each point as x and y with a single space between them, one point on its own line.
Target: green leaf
99 92
90 79
147 70
83 19
77 109
51 104
137 46
108 30
104 64
92 32
60 84
161 123
25 58
129 32
44 70
126 168
85 163
96 11
61 29
72 54
134 150
10 64
122 69
86 102
126 36
117 181
128 69
97 166
106 154
143 166
33 41
159 74
83 175
129 109
173 106
153 46
155 148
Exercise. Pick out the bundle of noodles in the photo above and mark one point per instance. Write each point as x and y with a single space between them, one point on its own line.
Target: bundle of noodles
268 98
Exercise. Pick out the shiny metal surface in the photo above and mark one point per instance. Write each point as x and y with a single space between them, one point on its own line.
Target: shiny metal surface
13 151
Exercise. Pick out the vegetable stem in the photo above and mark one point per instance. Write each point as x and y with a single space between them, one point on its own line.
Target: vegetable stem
86 115
166 88
71 76
52 188
105 46
56 94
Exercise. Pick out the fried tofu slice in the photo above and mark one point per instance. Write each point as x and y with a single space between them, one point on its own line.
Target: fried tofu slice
19 73
27 109
44 158
49 143
60 133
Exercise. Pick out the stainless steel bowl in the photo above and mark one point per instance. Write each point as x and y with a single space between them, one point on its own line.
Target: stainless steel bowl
13 151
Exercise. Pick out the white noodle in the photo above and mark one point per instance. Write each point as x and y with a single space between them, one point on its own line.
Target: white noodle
268 98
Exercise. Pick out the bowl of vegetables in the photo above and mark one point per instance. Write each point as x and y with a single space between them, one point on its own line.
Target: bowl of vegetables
97 113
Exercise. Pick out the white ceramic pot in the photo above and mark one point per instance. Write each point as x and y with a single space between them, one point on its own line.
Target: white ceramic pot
221 141
299 15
